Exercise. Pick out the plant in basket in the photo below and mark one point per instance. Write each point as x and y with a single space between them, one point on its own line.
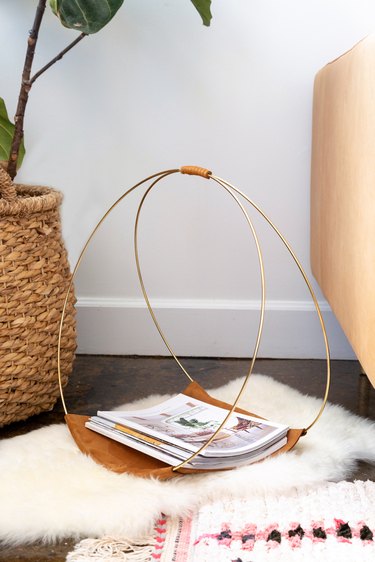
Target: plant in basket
34 270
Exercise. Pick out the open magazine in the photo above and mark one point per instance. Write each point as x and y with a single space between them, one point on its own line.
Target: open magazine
175 429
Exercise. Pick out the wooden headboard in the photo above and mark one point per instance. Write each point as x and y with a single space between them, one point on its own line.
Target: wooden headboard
343 194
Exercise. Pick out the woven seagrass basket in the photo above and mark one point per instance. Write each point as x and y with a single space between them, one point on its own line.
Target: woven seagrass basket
34 276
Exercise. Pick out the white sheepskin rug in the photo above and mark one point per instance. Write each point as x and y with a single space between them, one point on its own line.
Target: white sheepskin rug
50 490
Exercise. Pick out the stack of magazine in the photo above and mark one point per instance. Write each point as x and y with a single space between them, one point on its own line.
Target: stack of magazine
175 429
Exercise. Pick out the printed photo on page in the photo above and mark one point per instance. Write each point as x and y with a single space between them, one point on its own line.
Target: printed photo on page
189 421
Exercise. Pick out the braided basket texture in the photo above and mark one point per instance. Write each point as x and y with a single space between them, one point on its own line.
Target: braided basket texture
34 275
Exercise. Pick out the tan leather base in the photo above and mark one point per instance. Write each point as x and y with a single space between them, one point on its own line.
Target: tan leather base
120 458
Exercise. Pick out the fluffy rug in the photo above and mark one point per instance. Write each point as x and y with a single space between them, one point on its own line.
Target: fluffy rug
330 522
50 490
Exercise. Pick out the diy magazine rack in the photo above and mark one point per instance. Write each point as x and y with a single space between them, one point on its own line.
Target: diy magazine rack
120 458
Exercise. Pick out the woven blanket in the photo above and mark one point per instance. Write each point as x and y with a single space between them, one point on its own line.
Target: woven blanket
333 522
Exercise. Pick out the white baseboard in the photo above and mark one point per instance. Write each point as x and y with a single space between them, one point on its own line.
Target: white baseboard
204 328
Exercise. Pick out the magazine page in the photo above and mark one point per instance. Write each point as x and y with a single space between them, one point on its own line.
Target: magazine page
237 461
156 449
145 448
188 423
127 434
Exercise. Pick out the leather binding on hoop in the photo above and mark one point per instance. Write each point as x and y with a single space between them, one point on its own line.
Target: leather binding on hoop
120 458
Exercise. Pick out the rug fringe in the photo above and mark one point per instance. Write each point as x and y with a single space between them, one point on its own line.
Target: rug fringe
111 548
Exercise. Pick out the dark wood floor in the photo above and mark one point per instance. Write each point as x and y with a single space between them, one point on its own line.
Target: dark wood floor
104 382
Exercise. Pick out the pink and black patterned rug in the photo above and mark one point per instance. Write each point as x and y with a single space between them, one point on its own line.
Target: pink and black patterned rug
332 522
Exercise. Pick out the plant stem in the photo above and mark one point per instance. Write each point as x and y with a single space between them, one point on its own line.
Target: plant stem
25 89
27 83
57 57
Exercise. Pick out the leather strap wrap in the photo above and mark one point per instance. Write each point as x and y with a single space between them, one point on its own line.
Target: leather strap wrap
196 171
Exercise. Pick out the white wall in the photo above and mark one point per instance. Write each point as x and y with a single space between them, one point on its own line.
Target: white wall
155 90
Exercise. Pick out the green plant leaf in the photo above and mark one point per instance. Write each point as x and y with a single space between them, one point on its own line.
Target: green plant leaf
6 136
204 9
86 16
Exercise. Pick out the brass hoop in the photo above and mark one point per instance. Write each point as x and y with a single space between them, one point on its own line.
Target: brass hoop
76 267
308 284
261 319
233 191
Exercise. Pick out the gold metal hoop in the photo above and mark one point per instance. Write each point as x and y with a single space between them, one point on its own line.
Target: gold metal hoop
76 267
207 175
233 191
308 284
